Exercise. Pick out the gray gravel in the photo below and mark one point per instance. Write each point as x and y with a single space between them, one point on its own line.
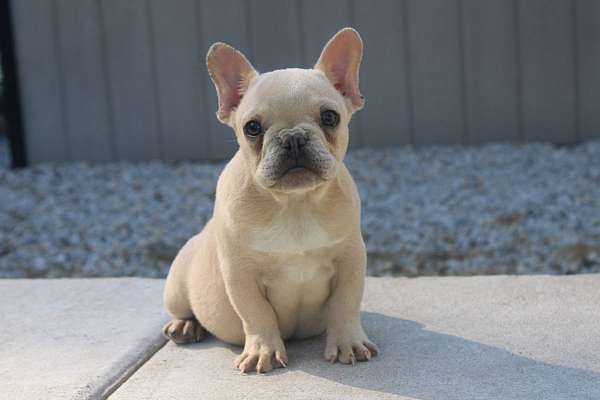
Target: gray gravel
430 211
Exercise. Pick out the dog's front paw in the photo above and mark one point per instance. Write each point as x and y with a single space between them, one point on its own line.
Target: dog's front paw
261 354
348 346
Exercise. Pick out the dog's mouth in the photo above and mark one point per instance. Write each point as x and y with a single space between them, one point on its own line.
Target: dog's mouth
298 169
296 177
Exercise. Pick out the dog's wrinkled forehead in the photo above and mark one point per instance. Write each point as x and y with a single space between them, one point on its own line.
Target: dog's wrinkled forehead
289 93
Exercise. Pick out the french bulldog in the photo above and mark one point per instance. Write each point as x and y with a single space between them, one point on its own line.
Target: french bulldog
283 255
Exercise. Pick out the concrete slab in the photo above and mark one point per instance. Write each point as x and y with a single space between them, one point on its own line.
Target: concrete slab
75 339
535 337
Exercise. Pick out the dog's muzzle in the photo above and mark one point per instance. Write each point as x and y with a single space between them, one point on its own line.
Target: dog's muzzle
295 151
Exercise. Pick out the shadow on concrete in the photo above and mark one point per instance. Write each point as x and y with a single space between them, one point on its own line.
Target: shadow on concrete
427 365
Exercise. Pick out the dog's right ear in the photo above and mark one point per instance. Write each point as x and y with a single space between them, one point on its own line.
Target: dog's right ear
231 72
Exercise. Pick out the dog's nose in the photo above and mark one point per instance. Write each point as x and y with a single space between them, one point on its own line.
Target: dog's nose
293 140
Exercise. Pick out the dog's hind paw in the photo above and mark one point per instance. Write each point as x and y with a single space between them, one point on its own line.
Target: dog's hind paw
183 331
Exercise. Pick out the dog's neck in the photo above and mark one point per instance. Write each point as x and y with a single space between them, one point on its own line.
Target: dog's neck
298 222
245 207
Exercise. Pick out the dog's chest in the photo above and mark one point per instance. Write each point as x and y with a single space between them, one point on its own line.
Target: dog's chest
297 287
297 281
291 232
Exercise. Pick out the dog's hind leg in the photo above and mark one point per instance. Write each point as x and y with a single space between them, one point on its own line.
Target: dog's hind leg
183 328
183 331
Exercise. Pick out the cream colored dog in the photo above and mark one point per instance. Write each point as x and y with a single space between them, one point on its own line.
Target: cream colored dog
283 256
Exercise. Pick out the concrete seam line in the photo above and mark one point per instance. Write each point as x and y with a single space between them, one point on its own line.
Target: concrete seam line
132 362
109 389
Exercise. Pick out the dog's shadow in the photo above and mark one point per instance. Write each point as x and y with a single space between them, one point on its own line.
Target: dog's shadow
426 365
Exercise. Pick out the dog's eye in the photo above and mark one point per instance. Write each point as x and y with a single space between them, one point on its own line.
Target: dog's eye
330 118
252 128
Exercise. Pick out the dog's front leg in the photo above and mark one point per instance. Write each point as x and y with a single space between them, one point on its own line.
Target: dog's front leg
263 341
346 340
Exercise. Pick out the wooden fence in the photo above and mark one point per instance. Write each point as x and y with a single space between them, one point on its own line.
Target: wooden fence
126 79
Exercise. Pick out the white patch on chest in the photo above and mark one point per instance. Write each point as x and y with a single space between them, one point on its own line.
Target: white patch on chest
292 232
305 270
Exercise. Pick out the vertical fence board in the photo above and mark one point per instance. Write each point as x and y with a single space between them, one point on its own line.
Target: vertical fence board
228 24
546 37
40 80
491 69
179 70
588 63
80 50
385 120
132 82
436 71
275 34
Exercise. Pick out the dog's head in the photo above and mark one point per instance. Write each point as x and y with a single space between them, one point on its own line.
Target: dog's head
291 124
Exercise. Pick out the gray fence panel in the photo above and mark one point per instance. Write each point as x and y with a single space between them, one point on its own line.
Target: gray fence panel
132 79
40 80
112 79
436 71
87 111
588 67
547 68
491 70
180 69
385 120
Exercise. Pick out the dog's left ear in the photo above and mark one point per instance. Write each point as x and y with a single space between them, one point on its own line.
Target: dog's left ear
340 62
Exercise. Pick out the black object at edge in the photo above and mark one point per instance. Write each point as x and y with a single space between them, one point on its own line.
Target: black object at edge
12 100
